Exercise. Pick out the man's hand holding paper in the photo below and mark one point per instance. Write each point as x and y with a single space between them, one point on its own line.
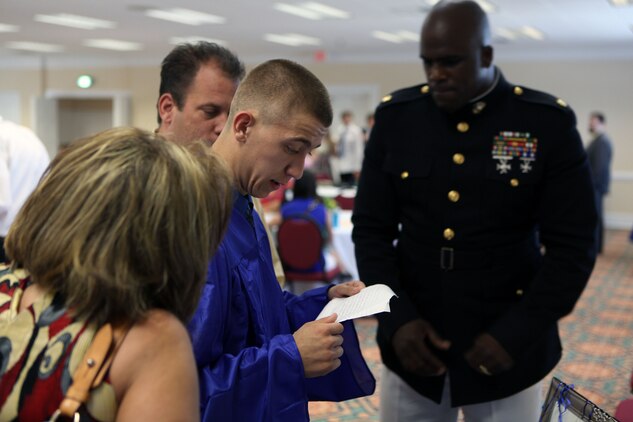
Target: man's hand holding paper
351 300
347 289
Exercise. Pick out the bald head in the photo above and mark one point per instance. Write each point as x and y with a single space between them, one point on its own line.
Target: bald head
464 17
455 48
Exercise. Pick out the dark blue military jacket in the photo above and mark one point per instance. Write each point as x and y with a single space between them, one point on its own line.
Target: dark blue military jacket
451 211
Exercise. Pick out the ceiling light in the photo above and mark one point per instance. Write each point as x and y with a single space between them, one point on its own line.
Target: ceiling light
512 34
396 37
109 44
312 10
326 11
194 39
532 32
408 36
75 21
298 11
35 46
485 5
294 40
505 33
184 16
620 3
304 39
8 28
387 36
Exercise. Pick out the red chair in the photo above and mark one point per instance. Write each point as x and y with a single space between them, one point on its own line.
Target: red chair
300 244
624 411
345 202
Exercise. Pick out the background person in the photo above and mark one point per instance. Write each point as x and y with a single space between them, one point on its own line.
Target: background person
260 354
23 159
461 172
306 202
369 124
600 151
349 144
119 231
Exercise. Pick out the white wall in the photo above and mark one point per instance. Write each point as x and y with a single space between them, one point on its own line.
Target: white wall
585 85
10 107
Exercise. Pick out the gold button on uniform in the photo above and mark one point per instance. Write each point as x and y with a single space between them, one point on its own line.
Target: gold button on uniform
424 89
386 98
519 292
514 183
561 103
458 159
404 175
518 90
449 234
462 127
453 196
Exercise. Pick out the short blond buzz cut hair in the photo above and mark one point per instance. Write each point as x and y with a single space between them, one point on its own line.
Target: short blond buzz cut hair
124 222
279 88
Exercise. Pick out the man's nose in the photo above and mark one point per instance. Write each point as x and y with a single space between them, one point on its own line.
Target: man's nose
295 169
435 72
219 123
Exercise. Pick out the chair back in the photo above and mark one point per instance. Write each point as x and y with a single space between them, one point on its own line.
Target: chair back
345 202
300 243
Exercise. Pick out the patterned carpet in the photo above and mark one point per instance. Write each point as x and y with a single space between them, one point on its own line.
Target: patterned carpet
598 335
597 340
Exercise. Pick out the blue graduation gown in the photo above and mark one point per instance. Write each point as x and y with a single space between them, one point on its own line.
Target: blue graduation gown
248 363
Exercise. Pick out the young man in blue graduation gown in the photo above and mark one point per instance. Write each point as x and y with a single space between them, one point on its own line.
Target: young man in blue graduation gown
261 356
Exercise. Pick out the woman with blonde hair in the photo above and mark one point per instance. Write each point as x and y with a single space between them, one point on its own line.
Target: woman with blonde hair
118 233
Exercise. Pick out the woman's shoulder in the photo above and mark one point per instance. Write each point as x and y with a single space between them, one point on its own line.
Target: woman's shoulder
155 359
159 337
157 327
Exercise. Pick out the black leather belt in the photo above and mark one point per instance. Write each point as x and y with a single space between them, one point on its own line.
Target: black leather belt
450 259
454 259
447 258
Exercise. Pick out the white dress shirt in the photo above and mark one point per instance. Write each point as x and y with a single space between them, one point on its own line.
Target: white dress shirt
23 160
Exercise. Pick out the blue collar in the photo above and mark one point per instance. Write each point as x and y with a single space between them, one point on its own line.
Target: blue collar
244 205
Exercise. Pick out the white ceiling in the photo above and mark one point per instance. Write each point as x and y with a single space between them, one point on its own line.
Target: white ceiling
573 29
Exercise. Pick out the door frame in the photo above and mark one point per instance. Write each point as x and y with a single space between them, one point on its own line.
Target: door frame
44 110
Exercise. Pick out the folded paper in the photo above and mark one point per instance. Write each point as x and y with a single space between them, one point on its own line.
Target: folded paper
369 301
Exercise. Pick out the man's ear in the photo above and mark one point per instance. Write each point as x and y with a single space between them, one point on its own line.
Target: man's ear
166 107
487 55
242 122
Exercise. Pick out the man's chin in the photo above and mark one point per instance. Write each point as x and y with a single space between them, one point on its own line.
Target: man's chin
260 193
448 106
447 101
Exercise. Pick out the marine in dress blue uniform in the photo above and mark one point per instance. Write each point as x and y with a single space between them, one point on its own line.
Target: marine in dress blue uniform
451 211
